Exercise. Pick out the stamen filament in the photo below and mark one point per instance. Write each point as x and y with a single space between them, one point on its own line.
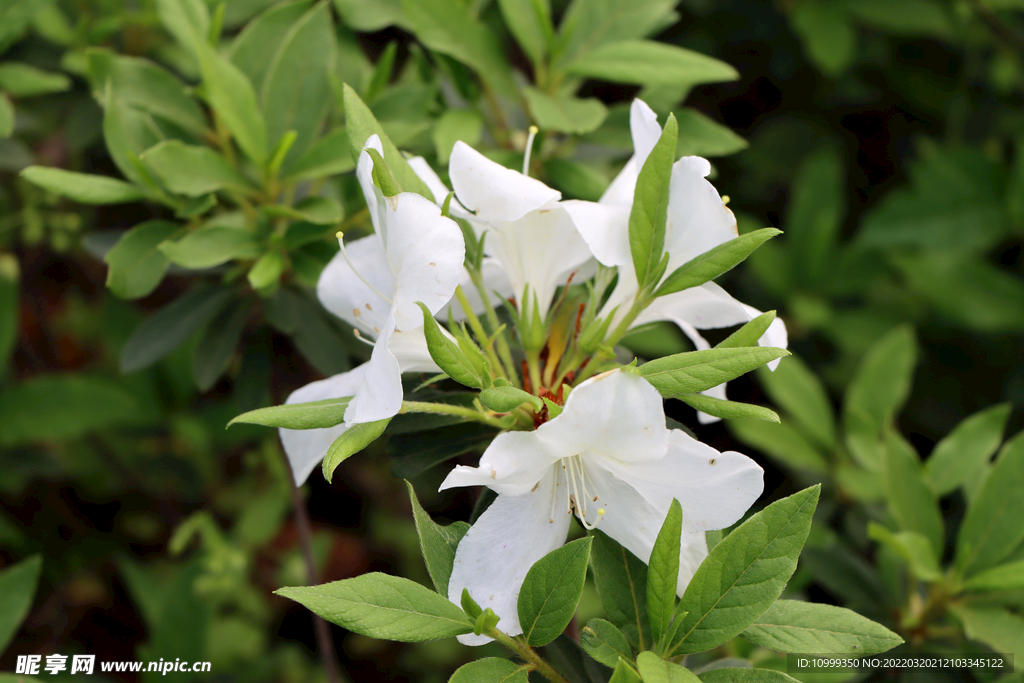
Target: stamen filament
529 150
359 275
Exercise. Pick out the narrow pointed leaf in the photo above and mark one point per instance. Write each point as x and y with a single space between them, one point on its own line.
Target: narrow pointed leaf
650 205
17 588
966 449
447 354
915 549
654 669
505 399
796 388
794 626
911 502
663 573
696 371
624 673
1005 577
437 543
621 581
729 410
136 265
354 439
490 670
749 334
313 415
715 261
83 187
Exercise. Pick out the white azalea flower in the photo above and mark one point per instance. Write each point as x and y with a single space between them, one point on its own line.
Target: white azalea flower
415 254
609 459
697 221
529 232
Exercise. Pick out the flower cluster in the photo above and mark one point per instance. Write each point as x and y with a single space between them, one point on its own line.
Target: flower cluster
581 434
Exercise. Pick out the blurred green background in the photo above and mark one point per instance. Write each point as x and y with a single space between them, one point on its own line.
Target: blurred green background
884 136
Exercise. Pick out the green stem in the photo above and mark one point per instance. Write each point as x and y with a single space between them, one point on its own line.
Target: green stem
529 654
448 409
492 319
478 330
533 363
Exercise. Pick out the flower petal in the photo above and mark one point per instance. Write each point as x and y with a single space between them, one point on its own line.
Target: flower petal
409 347
498 550
705 307
697 218
379 394
604 228
347 296
371 193
511 465
618 415
305 448
714 489
643 124
494 193
425 251
631 520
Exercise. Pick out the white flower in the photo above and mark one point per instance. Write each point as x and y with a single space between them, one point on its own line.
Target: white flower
528 231
610 459
697 221
415 254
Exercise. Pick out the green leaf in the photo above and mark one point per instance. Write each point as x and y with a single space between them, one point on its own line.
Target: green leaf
354 439
127 131
699 135
259 43
329 156
715 261
313 415
647 62
649 213
217 344
413 453
1005 577
794 387
144 85
371 15
737 675
795 626
10 308
447 354
452 126
505 399
744 574
883 380
17 588
729 410
911 503
83 187
296 93
60 407
816 214
169 327
997 627
551 591
437 543
782 442
210 246
382 177
663 573
951 204
749 334
605 643
994 524
565 113
624 673
266 272
908 17
490 670
621 581
187 20
316 210
914 548
574 179
966 449
589 24
654 669
696 371
232 96
382 606
192 170
530 23
967 291
446 26
6 117
361 124
135 264
828 37
25 80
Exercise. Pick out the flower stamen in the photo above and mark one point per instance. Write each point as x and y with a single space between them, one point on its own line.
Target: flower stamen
359 275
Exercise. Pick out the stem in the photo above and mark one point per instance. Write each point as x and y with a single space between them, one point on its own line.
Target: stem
492 319
448 409
533 362
324 642
478 330
528 653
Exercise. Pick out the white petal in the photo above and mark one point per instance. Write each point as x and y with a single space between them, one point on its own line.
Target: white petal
705 307
409 347
437 188
425 251
776 335
714 489
306 447
379 394
511 465
494 193
371 193
605 229
643 125
493 557
697 218
632 521
618 415
344 293
541 249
